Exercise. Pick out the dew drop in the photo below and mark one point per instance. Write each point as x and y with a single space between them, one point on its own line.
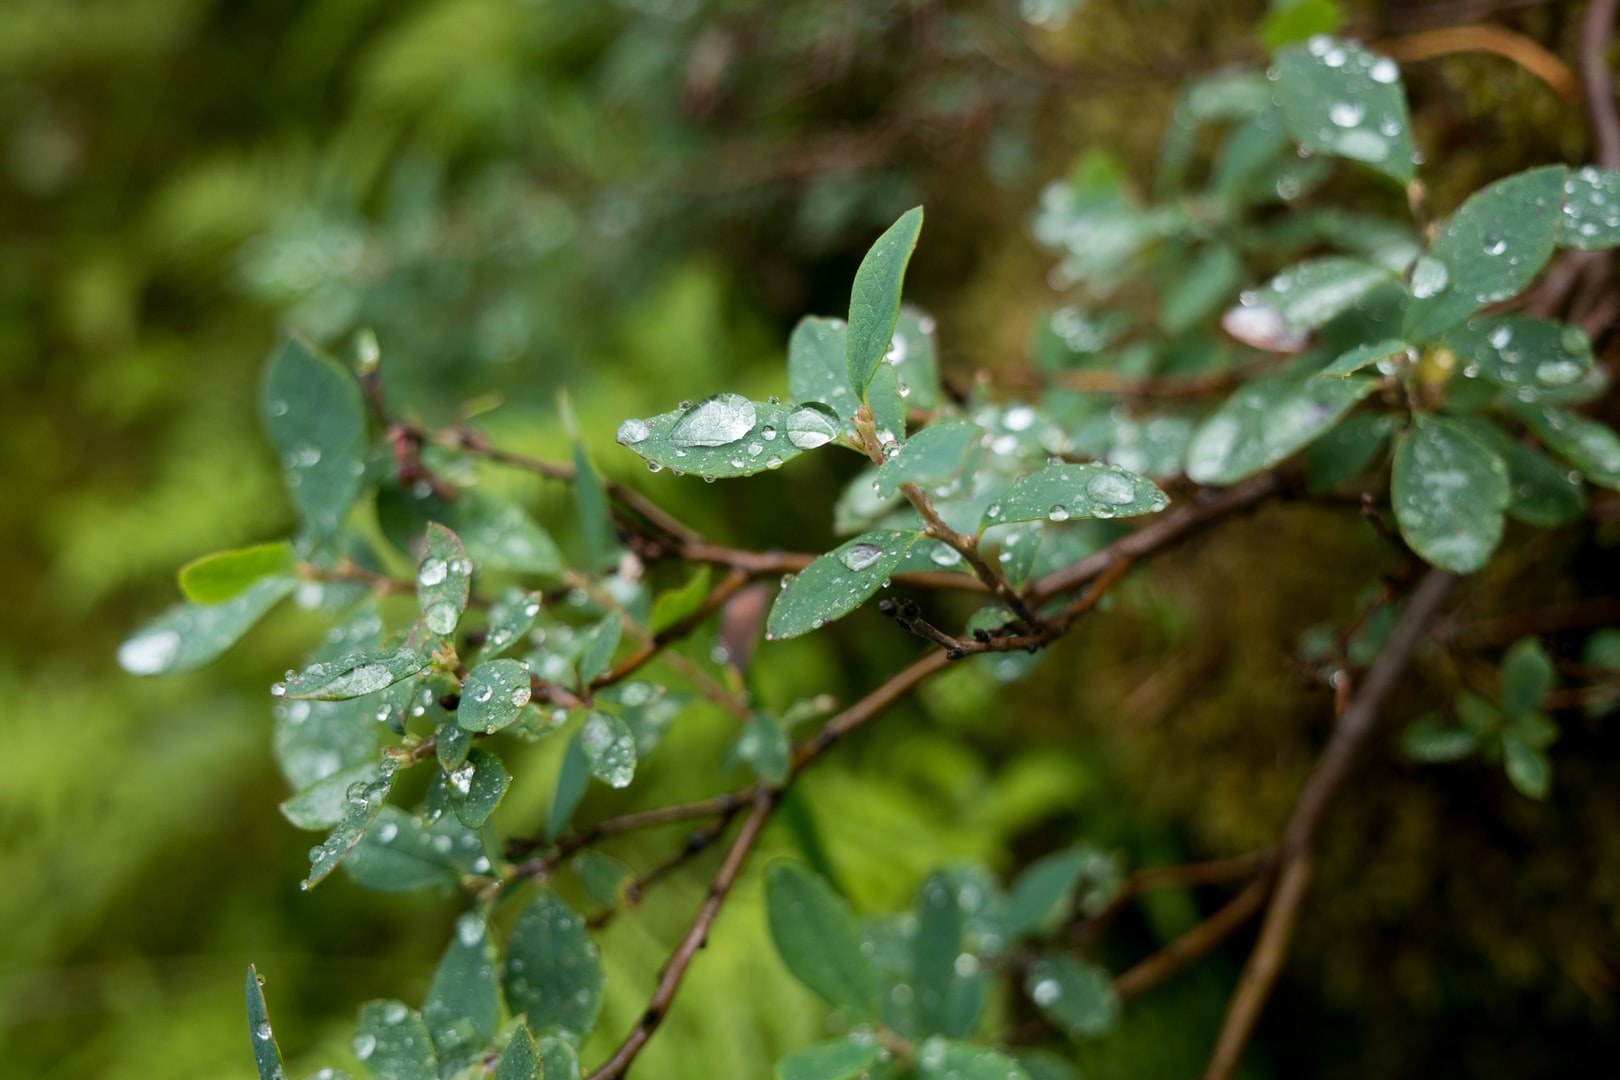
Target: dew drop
632 432
860 556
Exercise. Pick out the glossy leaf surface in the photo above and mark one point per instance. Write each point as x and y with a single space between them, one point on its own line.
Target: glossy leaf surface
874 300
316 420
1339 98
553 975
838 582
1449 493
1071 492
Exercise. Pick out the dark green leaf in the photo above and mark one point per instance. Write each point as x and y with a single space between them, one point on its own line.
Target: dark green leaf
351 677
1591 219
677 605
838 582
817 940
764 747
398 855
498 535
1527 674
394 1043
874 300
1045 1065
933 455
572 779
453 746
597 651
610 749
1603 649
1201 288
1527 768
316 419
1353 361
1347 451
887 406
188 636
1308 295
1044 892
521 1061
493 694
463 1005
935 947
1477 715
1151 445
324 803
1341 99
837 1059
915 359
1268 420
510 618
1449 494
1591 447
1069 492
442 580
1522 354
1544 493
559 1057
477 787
553 976
816 366
214 579
314 739
365 799
1077 998
266 1055
943 1059
727 435
1430 740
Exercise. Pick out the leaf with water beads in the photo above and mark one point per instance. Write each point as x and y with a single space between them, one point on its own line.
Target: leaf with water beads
351 677
1347 451
398 854
366 799
816 368
324 803
464 998
1266 421
1311 293
1545 493
848 1058
553 974
1348 363
266 1055
1591 211
189 635
393 1042
1522 355
521 1059
874 299
214 579
1591 447
937 453
599 643
1341 99
493 694
511 616
499 535
315 417
442 580
610 749
1078 998
915 358
946 1059
764 747
476 787
838 582
1449 493
1066 492
817 939
936 945
728 435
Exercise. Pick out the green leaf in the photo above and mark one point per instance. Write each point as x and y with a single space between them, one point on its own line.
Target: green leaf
610 749
1432 741
1200 289
394 1043
493 694
817 939
933 455
453 746
553 975
499 535
727 436
1491 248
1285 24
1449 493
351 676
1309 294
398 855
764 747
1527 768
591 507
1527 674
1544 493
943 1059
837 1059
1044 892
1268 420
1067 492
558 1057
1078 999
324 803
1045 1065
874 300
838 582
1347 451
605 878
1591 447
511 616
1522 354
214 579
935 947
462 1009
477 787
1602 649
366 799
572 778
1349 363
888 407
442 580
313 411
915 358
1591 218
677 605
1150 445
266 1055
521 1061
597 651
816 368
1341 99
188 636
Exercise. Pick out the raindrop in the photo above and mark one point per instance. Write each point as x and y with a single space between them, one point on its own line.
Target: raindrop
809 428
1429 277
1046 992
633 431
364 1045
1494 245
150 653
860 556
1113 488
1058 513
433 572
262 1029
1384 71
1347 114
715 421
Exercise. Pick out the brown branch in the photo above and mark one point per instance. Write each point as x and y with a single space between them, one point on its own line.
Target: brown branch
1150 972
656 643
641 819
697 843
1598 83
1350 735
1523 51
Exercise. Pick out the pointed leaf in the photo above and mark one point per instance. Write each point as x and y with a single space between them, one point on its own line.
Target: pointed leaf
817 939
351 676
1341 99
1591 219
874 300
1044 893
493 694
559 1058
915 358
1267 421
188 636
943 1059
1591 447
266 1055
1309 294
1449 494
933 455
600 641
836 1059
1068 492
591 506
935 948
394 1044
511 617
324 803
838 582
1079 999
398 855
553 976
727 435
610 749
499 535
313 411
366 799
442 580
1522 354
477 787
1527 768
462 1009
214 579
816 368
1361 356
521 1061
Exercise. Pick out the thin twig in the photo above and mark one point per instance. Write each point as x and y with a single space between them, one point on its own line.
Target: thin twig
1598 83
1194 943
1524 51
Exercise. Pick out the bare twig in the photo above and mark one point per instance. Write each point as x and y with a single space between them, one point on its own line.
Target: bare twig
1194 943
1598 84
1524 51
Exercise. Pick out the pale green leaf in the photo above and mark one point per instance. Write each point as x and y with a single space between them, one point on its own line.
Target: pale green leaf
816 367
944 1059
1522 354
1309 294
1078 998
324 803
442 580
1527 674
493 694
1432 741
521 1060
214 579
499 535
837 1059
610 748
317 421
365 799
600 642
511 616
393 1043
1268 420
1527 768
764 747
935 947
189 635
266 1055
1348 363
398 855
351 676
1591 217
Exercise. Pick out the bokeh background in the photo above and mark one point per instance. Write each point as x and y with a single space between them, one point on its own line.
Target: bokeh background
635 200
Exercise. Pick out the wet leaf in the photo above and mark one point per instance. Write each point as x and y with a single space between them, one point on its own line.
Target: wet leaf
313 411
1341 99
266 1055
351 676
1267 421
1151 445
463 1003
727 435
838 582
915 358
1070 492
365 799
764 747
944 1059
1308 295
499 535
935 948
1522 354
817 940
1348 363
189 635
324 803
559 1058
521 1061
591 508
397 854
1449 494
817 371
493 694
393 1043
874 300
1591 447
1591 213
1201 289
476 787
442 580
597 652
1044 893
888 407
837 1059
1545 493
553 975
214 579
937 453
610 749
511 617
1079 999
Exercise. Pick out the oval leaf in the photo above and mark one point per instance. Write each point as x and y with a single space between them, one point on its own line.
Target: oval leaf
1591 447
463 1004
1361 356
727 435
874 300
817 939
1522 354
553 975
1591 218
316 419
398 855
365 799
393 1043
838 582
1449 494
935 948
1266 421
476 787
943 1059
442 580
610 749
1309 294
352 676
188 635
521 1061
1078 998
213 579
1341 99
499 535
933 455
838 1059
1066 492
493 694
